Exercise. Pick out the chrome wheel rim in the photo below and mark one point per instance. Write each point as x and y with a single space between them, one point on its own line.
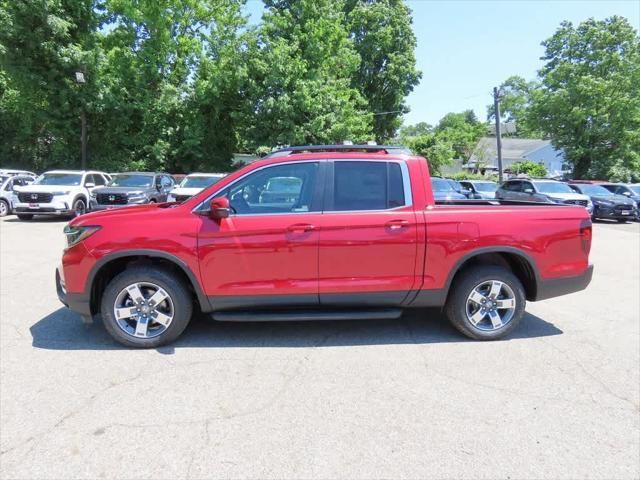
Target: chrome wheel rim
143 310
3 209
491 305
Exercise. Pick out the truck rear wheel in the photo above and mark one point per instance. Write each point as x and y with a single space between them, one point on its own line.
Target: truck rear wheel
145 307
486 302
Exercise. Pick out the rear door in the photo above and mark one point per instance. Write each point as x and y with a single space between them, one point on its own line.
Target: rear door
368 234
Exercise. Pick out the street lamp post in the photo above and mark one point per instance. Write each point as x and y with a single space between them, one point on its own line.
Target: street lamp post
80 80
496 104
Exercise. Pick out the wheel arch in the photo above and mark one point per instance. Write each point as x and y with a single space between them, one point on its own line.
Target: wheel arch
109 266
517 261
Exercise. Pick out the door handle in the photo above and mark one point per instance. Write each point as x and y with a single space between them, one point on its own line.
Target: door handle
300 228
397 224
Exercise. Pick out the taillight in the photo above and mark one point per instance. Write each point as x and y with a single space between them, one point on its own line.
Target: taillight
585 236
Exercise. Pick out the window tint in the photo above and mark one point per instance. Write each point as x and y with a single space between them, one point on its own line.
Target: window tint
98 179
526 186
512 186
279 189
89 179
367 186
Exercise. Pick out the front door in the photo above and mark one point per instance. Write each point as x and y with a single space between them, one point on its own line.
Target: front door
266 252
368 234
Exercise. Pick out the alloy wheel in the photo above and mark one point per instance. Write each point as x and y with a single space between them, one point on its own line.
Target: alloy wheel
143 310
80 208
491 305
4 209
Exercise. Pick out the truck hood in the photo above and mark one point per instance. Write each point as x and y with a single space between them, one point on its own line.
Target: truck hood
185 191
45 188
120 190
146 210
617 199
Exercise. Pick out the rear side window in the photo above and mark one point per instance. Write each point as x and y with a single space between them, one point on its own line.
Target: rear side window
367 186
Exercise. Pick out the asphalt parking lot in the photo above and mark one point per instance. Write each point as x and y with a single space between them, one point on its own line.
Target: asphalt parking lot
382 399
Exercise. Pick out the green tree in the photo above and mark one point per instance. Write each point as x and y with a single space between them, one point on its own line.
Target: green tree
383 37
528 168
414 130
589 100
299 79
515 103
438 152
462 131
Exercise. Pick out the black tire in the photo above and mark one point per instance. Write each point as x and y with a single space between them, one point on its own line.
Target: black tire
456 307
622 220
25 216
4 208
174 287
79 207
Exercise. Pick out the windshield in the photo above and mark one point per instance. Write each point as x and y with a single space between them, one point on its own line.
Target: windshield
59 179
198 181
486 186
123 180
594 190
2 178
440 185
635 188
553 187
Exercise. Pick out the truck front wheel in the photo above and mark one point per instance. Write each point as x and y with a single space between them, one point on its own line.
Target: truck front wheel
486 302
145 307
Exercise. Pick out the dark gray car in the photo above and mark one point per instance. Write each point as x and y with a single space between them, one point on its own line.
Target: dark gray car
132 188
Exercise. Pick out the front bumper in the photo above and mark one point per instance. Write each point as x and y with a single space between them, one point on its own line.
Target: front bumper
95 206
52 208
614 212
555 287
78 302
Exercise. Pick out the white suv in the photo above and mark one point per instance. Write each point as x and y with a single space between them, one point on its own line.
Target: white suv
58 192
8 197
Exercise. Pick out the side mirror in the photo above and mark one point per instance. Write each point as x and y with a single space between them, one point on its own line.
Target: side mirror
89 185
529 191
626 194
220 208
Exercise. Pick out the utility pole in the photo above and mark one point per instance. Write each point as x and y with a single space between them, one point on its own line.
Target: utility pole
83 139
496 104
80 80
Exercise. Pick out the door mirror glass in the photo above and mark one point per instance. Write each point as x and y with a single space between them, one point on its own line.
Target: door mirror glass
219 208
528 190
89 184
628 194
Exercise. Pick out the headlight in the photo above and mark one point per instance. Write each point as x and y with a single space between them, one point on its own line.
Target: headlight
62 193
77 234
604 202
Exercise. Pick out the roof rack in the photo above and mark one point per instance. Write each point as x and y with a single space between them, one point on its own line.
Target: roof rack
387 149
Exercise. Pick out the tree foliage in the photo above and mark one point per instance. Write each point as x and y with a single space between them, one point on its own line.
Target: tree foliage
182 84
589 99
515 106
383 37
528 168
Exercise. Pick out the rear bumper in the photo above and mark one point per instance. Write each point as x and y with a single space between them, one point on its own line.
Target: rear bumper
78 302
556 287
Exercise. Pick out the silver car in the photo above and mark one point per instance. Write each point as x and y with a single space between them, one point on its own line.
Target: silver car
543 191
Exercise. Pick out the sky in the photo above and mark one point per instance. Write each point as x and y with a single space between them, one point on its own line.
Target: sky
466 47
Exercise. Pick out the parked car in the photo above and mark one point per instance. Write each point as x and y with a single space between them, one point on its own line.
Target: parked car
606 203
459 188
629 190
361 238
192 184
8 172
58 192
8 197
133 188
480 189
542 190
443 190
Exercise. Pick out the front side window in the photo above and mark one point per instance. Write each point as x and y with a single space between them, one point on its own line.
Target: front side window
367 186
285 188
166 182
98 179
197 181
553 187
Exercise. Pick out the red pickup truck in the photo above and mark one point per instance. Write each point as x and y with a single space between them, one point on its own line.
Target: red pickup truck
323 232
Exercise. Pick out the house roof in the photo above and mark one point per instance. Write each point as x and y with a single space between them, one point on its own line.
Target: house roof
513 149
